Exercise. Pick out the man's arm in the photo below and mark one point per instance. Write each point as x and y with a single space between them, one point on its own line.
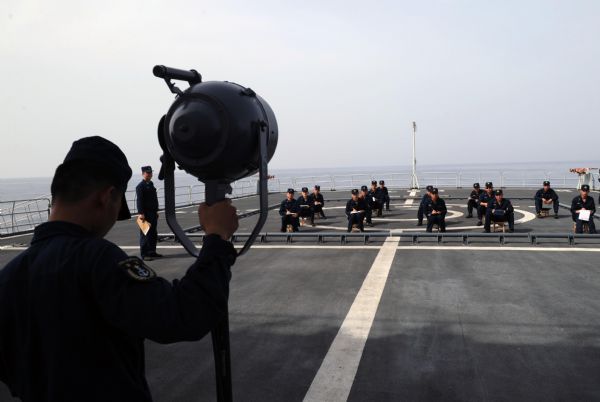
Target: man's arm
139 199
282 210
132 298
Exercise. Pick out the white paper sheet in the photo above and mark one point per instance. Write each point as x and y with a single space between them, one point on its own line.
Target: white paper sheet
584 215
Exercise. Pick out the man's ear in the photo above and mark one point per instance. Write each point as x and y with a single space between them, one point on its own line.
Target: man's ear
106 196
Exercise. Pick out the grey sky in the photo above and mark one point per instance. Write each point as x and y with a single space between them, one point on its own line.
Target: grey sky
345 79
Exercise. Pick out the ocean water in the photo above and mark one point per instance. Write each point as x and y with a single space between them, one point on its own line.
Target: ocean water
526 173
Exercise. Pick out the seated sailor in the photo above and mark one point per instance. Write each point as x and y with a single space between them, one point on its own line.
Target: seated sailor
473 200
583 202
386 195
435 210
305 207
364 196
421 211
376 197
317 201
500 209
484 199
289 212
544 198
355 210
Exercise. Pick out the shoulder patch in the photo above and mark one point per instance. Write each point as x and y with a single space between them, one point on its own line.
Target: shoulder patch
137 269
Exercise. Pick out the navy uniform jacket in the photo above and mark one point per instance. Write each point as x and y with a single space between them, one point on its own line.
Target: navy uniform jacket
146 198
75 310
439 205
424 199
359 205
578 203
546 195
301 201
476 194
377 194
384 192
485 197
291 206
505 205
317 197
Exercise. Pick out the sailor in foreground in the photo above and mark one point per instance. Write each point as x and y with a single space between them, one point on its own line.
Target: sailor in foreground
317 201
305 207
289 212
376 197
435 210
545 197
421 211
583 202
499 209
485 198
368 202
385 195
147 206
75 309
473 200
355 211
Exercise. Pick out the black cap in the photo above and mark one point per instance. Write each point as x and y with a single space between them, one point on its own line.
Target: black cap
489 184
374 182
475 185
317 187
364 188
546 183
146 169
585 187
434 190
381 182
354 192
291 191
429 188
109 157
305 189
498 192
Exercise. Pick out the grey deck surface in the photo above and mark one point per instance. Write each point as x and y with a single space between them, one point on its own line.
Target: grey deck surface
454 322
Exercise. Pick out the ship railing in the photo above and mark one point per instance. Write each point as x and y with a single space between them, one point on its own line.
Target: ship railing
22 216
445 179
192 195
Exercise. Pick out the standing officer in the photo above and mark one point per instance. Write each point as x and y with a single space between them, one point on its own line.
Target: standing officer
435 210
421 211
583 202
355 211
75 309
485 198
147 206
385 195
545 196
499 209
317 201
375 196
364 196
473 201
289 212
305 207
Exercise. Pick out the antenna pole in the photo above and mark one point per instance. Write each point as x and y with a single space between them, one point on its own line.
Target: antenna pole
414 181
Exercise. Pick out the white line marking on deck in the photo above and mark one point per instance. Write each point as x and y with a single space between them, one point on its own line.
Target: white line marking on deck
409 201
336 374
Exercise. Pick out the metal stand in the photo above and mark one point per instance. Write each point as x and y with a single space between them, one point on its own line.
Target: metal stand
216 191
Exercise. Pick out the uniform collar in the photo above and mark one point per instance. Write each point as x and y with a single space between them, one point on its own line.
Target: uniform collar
57 228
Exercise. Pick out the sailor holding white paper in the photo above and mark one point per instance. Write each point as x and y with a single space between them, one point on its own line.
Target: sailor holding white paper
583 209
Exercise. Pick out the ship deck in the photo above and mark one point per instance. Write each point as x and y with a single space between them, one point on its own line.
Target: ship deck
389 318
